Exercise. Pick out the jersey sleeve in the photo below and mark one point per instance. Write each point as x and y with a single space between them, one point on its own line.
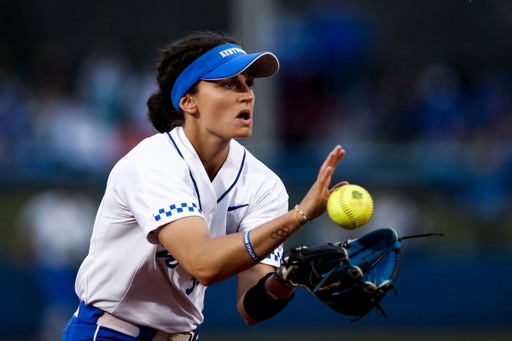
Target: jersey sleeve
270 202
155 189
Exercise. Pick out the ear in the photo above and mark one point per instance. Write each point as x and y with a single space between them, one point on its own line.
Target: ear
188 104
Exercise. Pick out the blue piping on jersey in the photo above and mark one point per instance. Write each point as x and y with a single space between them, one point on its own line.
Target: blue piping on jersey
191 176
236 180
232 208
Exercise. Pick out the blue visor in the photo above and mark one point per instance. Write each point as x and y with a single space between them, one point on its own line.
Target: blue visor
224 61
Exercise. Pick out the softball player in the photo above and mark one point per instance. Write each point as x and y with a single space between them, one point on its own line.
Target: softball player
190 207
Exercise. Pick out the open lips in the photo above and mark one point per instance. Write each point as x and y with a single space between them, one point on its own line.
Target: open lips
245 115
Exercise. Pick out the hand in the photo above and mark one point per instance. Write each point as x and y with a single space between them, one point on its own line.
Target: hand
314 203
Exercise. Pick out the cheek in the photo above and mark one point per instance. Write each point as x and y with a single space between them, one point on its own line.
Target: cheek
218 115
221 109
223 102
214 102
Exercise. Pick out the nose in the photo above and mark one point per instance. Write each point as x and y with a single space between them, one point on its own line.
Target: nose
247 94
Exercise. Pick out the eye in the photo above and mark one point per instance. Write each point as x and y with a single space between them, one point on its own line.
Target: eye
229 85
250 84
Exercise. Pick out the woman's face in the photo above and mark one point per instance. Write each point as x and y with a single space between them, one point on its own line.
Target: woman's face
225 107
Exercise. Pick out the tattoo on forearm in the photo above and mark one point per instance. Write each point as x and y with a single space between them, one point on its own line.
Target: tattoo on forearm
280 233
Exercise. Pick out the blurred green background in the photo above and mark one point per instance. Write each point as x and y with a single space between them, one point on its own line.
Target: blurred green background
419 94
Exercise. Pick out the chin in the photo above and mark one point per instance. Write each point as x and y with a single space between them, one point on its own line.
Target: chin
244 134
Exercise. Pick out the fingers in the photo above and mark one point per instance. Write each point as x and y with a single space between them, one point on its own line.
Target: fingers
332 161
316 197
340 156
340 184
328 161
335 156
324 179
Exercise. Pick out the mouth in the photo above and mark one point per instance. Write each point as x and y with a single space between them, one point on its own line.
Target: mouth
244 115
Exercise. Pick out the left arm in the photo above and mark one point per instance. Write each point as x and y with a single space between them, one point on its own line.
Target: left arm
249 278
275 294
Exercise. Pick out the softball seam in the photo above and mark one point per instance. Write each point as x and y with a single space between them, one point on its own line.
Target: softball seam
346 209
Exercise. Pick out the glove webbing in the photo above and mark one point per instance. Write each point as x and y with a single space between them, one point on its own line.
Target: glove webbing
421 235
398 261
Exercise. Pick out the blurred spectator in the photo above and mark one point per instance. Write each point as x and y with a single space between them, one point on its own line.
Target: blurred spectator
491 118
57 224
78 141
396 210
354 116
14 120
442 113
487 202
321 51
136 127
393 96
328 39
102 85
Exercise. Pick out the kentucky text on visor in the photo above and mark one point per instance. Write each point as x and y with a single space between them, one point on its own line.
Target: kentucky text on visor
223 61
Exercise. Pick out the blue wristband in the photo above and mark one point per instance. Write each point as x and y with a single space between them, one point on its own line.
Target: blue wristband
249 248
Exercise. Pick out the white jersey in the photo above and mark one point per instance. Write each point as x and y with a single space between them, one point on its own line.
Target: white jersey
127 272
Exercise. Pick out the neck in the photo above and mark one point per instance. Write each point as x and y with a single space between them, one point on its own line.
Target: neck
211 150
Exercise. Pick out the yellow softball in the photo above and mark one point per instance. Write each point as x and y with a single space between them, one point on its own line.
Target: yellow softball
350 206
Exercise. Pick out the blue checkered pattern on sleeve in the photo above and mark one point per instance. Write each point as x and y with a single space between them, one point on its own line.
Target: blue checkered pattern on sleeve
276 254
175 209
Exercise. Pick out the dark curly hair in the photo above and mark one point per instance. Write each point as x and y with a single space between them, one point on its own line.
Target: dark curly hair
175 57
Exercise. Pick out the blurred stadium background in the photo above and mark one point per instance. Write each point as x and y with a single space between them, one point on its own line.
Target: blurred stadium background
419 93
